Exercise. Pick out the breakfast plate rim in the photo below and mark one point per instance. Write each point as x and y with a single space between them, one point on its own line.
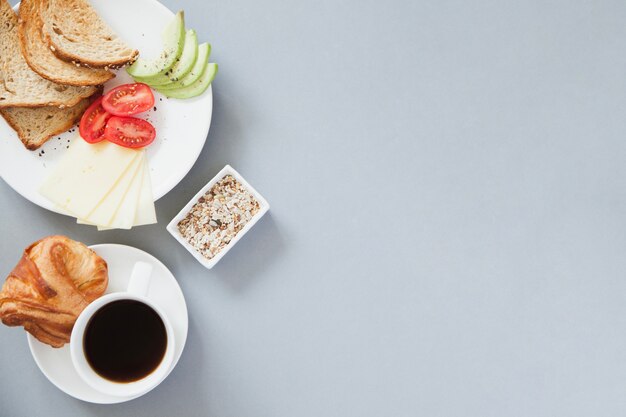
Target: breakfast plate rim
165 186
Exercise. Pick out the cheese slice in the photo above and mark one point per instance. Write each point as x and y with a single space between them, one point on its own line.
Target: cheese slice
146 213
124 217
105 211
144 209
128 203
86 174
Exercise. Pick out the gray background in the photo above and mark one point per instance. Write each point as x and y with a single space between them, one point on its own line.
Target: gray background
447 233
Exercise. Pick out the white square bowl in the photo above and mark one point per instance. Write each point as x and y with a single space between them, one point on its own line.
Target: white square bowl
172 227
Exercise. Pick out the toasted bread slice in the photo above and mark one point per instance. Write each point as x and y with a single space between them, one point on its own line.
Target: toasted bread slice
34 126
42 60
76 33
19 85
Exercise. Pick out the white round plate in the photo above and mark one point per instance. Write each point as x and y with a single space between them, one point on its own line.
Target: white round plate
56 364
182 126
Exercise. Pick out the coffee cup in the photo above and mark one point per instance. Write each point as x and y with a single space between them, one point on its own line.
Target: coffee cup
122 344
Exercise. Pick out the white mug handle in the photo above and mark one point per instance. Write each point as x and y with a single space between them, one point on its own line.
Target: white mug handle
140 279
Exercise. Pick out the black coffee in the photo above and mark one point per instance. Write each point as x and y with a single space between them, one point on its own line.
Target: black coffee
125 341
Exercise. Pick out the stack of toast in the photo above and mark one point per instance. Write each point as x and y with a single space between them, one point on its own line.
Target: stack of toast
54 58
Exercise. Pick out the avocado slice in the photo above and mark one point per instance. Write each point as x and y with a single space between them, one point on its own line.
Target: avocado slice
195 89
202 60
173 42
183 65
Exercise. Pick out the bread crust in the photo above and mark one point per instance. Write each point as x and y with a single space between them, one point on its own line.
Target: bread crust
42 60
52 34
16 76
73 115
78 60
21 133
59 104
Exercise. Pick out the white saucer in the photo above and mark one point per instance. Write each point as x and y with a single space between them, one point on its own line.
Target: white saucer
56 364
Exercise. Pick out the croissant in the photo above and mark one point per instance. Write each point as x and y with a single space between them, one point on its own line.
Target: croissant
54 281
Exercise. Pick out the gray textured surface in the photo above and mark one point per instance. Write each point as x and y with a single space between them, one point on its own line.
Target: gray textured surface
448 225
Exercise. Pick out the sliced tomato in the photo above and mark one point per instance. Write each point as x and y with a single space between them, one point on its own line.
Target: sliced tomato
129 132
93 121
128 99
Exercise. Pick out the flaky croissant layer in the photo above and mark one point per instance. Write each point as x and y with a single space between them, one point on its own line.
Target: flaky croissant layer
55 279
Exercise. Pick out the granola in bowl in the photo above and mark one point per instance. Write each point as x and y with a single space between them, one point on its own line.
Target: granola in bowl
218 216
